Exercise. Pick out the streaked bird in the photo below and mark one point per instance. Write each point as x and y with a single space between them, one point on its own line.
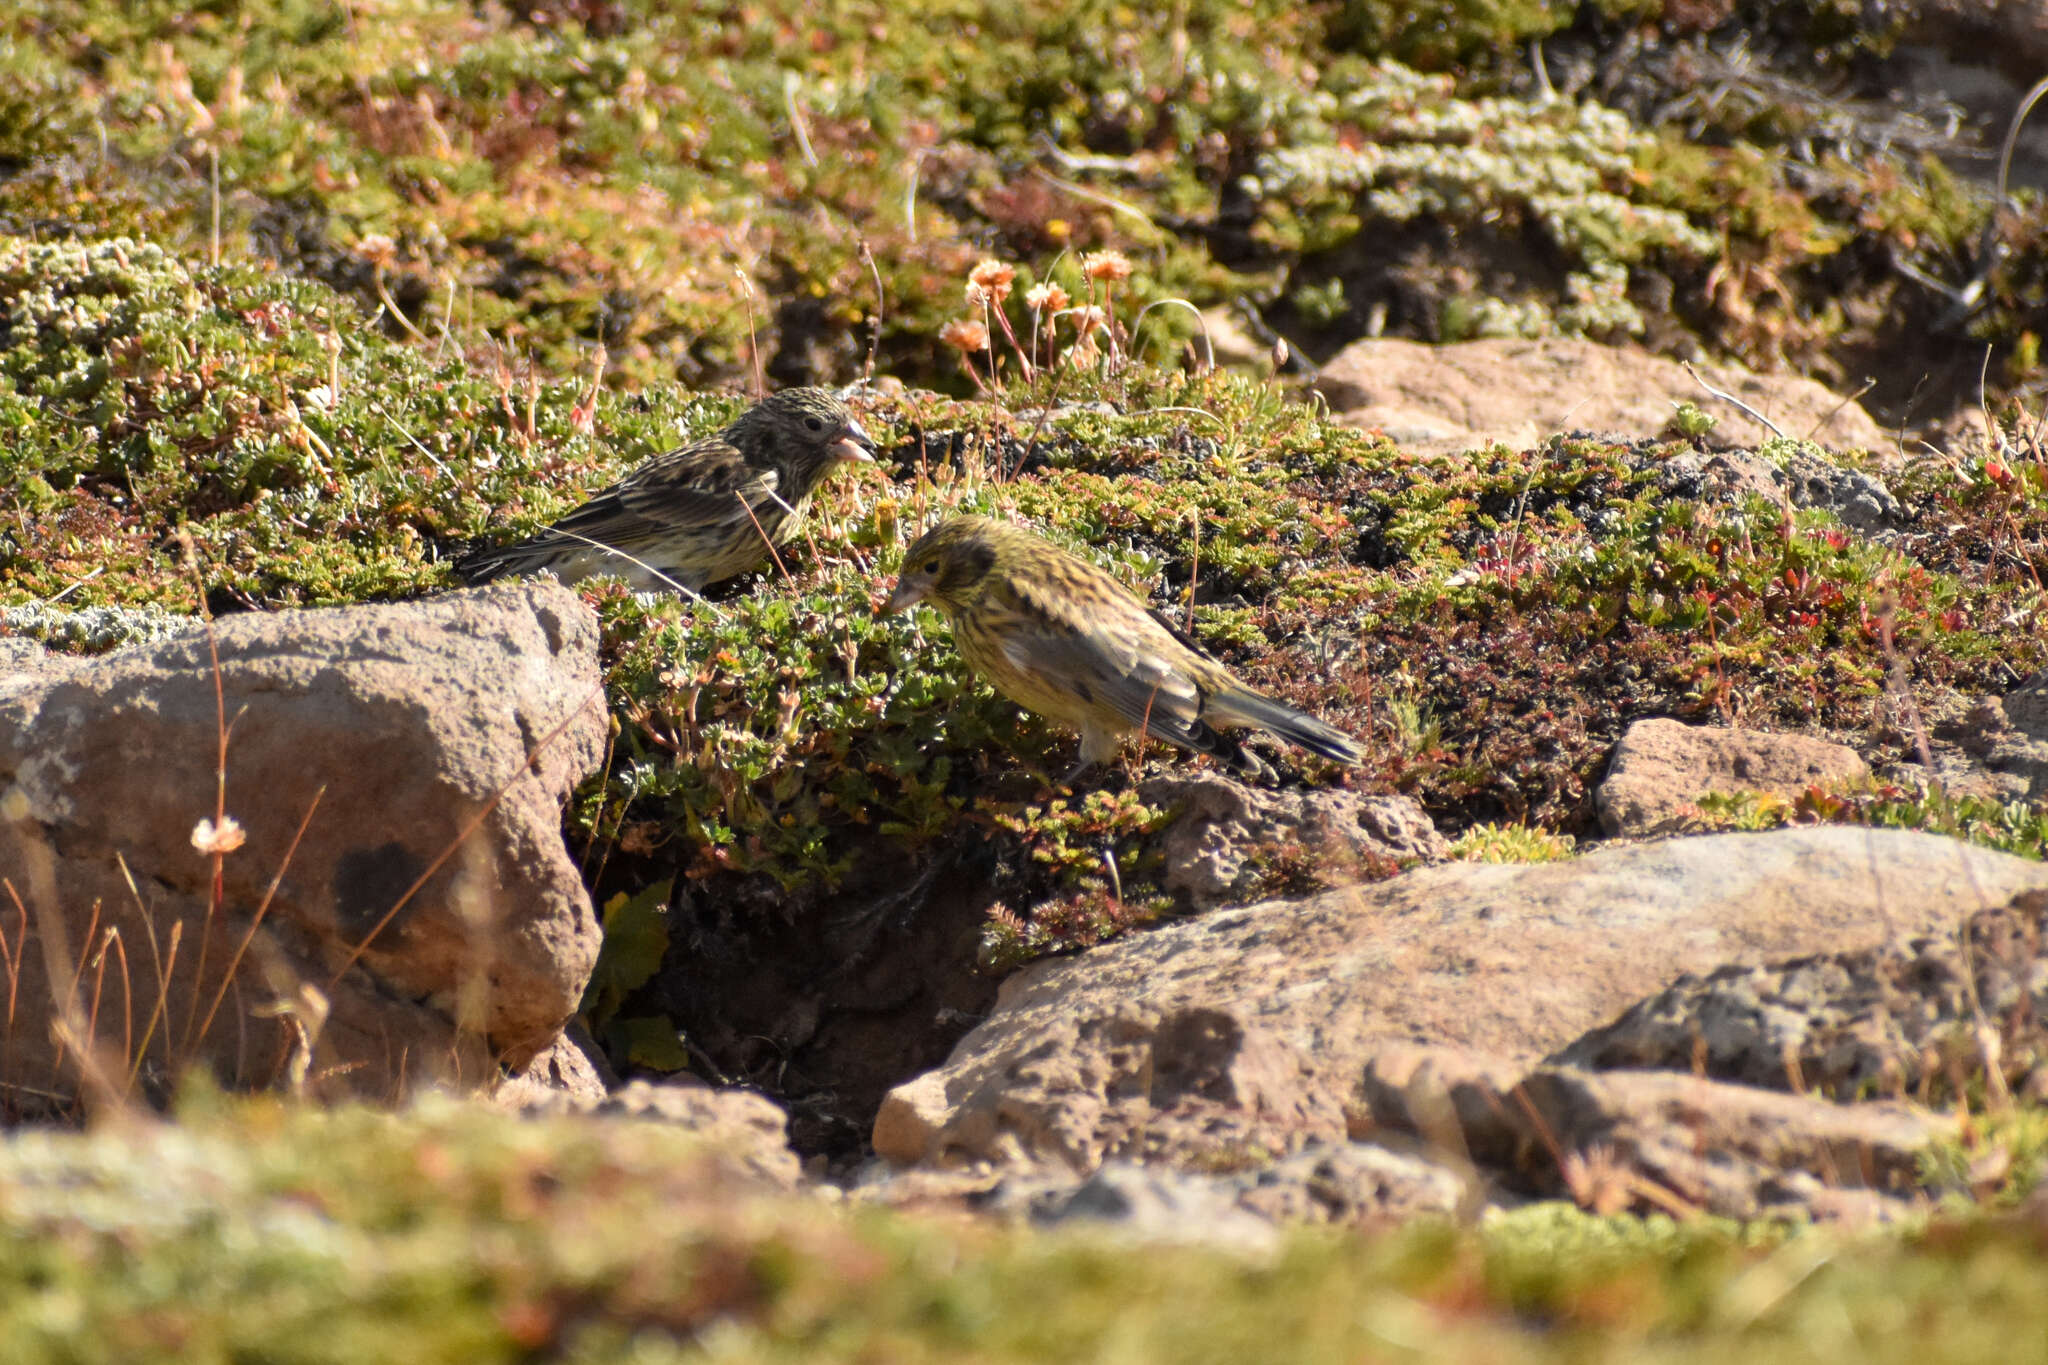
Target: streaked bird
1059 636
702 512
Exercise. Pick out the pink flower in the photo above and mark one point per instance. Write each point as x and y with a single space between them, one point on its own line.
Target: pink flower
965 334
1107 266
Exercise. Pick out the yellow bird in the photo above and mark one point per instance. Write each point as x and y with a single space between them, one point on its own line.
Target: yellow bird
1059 636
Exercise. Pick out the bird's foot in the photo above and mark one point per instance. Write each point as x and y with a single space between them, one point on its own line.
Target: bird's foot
1260 773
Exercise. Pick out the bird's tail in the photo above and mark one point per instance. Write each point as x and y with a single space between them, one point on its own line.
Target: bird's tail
1304 731
570 556
489 564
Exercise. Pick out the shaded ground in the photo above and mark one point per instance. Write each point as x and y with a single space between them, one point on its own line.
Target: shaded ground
827 1010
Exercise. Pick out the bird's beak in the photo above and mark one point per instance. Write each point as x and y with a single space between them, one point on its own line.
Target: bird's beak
906 596
854 444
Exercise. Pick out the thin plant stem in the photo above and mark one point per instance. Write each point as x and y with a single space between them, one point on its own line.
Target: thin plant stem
263 907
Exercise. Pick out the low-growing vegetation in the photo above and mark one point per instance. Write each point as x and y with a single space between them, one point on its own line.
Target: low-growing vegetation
2019 827
299 300
712 192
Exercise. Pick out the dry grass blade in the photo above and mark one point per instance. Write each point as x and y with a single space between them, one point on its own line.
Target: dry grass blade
218 853
1108 201
637 562
92 931
1733 401
68 1026
867 256
798 124
163 965
773 553
1208 346
10 957
390 305
746 286
118 945
910 197
1847 399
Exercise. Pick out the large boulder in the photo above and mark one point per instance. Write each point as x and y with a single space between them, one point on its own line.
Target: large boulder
1925 1016
396 906
1680 1144
1252 1029
1439 399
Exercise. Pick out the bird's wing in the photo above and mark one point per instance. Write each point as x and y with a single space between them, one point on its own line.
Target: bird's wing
704 484
1185 640
1109 653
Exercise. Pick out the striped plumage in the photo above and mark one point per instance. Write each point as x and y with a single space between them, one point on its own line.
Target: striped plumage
1059 636
700 513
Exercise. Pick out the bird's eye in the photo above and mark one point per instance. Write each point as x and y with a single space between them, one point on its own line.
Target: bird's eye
814 424
931 566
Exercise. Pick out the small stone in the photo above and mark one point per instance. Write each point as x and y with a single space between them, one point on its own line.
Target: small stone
1661 767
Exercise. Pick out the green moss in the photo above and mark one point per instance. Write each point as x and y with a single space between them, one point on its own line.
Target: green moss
1511 844
1437 33
2018 827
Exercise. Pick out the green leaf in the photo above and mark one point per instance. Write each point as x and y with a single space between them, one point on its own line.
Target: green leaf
652 1041
635 938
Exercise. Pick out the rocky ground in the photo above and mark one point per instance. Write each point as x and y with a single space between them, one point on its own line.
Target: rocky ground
1489 384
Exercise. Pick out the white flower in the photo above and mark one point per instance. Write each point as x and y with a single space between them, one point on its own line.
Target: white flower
215 840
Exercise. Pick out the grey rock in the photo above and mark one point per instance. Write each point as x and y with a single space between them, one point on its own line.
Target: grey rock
1727 477
1651 1141
1346 1183
1913 1016
1442 399
1859 499
1148 1205
1978 748
2026 707
1658 1141
752 1127
1437 1094
1358 1183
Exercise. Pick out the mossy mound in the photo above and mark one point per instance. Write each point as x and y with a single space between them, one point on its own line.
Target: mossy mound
265 1230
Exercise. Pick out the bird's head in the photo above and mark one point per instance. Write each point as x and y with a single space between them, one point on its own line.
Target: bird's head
811 426
946 564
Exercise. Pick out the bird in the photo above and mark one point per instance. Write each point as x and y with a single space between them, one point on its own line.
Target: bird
701 513
1058 635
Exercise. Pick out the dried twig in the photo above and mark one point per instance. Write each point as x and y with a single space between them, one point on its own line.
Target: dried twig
1733 400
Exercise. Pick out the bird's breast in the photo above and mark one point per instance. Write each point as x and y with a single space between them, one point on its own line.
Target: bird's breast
1001 656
